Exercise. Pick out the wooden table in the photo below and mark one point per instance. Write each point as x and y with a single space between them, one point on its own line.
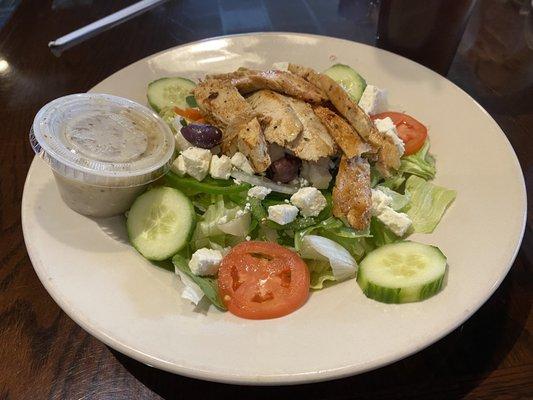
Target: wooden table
44 355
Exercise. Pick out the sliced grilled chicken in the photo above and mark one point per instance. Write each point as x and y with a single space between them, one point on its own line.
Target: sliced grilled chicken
352 194
281 125
314 141
247 81
225 108
342 132
388 157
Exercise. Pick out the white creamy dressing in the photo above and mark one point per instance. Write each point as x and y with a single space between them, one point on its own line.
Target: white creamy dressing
106 137
104 150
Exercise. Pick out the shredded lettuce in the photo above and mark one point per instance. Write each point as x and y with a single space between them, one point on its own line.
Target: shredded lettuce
428 203
220 224
399 201
381 235
394 182
320 248
334 229
421 163
320 273
208 285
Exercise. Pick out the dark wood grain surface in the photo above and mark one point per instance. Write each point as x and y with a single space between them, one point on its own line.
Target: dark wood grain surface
44 355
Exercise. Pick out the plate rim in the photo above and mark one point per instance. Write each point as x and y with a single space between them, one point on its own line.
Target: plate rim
271 379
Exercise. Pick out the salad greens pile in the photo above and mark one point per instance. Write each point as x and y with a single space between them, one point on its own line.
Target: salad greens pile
226 200
207 216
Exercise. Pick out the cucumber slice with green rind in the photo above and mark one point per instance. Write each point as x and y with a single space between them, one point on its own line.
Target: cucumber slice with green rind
349 79
402 272
169 92
160 223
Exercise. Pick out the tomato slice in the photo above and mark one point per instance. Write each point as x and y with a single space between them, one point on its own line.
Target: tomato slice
189 113
261 280
412 132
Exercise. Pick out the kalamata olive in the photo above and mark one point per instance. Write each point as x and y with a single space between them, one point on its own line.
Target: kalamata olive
204 136
284 169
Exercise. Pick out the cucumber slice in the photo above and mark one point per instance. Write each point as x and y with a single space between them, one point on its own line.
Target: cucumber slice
169 92
402 272
350 80
160 223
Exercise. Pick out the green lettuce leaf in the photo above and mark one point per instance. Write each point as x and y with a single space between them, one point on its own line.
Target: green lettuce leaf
334 229
428 203
381 235
208 231
394 182
320 272
208 284
399 201
421 163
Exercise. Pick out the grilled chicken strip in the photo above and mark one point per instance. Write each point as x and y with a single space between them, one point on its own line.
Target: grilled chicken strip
225 108
388 155
314 142
247 81
342 132
283 125
352 195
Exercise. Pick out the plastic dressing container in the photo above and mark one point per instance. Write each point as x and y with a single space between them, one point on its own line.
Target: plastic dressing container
103 150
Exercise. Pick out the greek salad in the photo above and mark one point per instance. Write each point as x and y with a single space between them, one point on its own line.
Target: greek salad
290 180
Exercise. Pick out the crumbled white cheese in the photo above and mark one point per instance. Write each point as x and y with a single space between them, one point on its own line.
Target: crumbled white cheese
282 213
248 238
397 222
196 161
299 182
220 167
178 166
309 200
259 192
373 100
385 124
387 127
240 161
317 173
205 262
181 142
240 213
380 200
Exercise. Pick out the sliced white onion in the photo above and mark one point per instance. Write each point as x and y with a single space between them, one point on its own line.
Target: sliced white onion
342 263
238 226
191 291
262 181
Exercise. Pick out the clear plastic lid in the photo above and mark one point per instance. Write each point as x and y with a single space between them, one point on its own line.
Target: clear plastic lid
102 140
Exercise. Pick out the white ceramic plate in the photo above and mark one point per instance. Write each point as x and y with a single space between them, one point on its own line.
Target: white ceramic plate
113 293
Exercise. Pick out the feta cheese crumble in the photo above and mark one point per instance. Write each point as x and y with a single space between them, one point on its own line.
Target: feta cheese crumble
373 100
309 200
178 166
240 161
196 161
259 192
205 262
181 142
282 213
387 127
380 200
220 167
397 222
